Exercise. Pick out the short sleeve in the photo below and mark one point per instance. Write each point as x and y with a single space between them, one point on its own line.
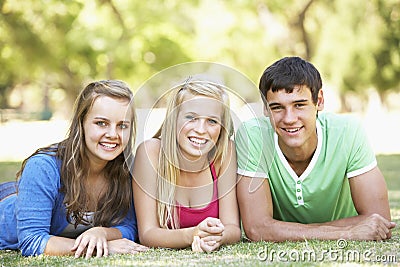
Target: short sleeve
254 148
361 155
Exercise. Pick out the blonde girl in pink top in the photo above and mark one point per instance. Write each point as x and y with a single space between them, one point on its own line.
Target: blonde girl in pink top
185 176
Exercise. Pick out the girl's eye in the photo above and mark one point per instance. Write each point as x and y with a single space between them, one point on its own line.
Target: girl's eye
101 123
212 121
190 117
124 126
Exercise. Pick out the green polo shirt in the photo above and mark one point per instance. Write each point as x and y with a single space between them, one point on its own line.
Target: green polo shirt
322 192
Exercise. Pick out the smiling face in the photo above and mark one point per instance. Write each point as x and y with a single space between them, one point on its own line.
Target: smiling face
107 128
293 116
198 125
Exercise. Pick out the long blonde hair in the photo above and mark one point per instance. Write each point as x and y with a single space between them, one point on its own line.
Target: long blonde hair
168 170
114 205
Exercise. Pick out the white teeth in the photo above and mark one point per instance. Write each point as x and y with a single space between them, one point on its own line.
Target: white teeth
109 145
292 130
197 141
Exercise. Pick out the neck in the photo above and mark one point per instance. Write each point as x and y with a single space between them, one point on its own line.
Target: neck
187 165
299 158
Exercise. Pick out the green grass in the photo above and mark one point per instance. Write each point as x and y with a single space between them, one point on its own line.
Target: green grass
8 170
306 253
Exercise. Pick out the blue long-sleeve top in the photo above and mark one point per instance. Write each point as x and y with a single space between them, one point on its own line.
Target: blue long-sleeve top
28 219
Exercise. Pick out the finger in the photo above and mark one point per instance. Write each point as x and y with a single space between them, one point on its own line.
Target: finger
208 248
196 244
76 243
213 221
90 249
99 249
140 248
80 249
105 249
214 230
215 238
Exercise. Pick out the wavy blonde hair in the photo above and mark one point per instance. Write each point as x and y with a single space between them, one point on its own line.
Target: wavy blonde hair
168 170
114 205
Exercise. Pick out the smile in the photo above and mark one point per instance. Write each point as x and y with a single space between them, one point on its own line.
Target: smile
108 145
293 130
197 141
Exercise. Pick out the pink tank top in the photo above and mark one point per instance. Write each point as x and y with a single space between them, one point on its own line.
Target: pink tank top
189 217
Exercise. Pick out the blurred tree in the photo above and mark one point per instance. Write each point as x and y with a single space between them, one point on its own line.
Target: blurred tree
386 76
61 45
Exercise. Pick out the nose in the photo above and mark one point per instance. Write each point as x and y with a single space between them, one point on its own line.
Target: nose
201 126
111 132
290 116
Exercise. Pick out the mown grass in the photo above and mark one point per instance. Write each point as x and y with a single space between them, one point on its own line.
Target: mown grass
305 253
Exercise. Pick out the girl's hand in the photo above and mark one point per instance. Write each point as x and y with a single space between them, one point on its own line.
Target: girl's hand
210 227
208 236
94 238
124 246
196 244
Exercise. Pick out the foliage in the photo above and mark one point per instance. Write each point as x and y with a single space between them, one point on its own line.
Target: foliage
52 46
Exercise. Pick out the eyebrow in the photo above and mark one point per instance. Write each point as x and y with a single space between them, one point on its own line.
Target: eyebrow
294 102
103 118
207 116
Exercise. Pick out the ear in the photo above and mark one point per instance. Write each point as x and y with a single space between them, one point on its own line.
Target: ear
320 100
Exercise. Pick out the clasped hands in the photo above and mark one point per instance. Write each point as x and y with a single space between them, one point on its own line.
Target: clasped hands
208 235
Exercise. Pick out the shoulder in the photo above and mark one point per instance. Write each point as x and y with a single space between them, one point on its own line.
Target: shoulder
44 168
149 150
43 160
342 126
258 122
256 133
152 146
254 128
333 120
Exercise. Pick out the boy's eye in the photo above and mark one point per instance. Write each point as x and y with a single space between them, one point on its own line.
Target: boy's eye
276 108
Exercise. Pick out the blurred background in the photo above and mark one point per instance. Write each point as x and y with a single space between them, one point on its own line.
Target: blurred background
50 49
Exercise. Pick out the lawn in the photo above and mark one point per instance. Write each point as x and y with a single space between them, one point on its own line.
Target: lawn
306 253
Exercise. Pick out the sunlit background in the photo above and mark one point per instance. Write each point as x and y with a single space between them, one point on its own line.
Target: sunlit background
50 49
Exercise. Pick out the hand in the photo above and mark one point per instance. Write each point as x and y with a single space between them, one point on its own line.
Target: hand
210 227
196 244
208 236
373 227
124 246
200 245
94 238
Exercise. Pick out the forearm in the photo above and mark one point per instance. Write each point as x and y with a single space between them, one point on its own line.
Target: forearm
111 233
278 231
232 234
167 238
59 246
343 222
